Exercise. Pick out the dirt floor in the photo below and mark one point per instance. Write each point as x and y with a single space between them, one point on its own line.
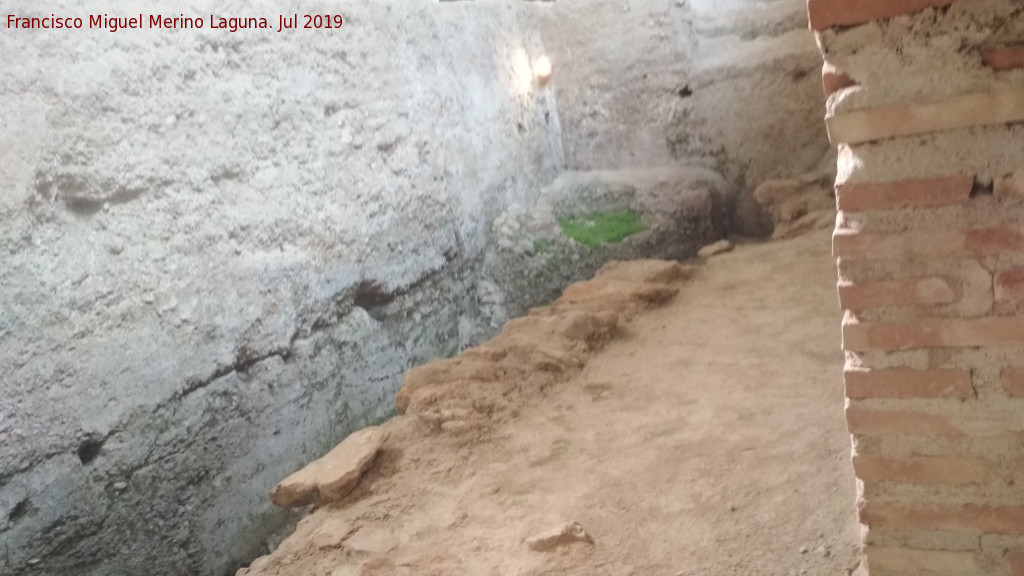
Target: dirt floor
699 435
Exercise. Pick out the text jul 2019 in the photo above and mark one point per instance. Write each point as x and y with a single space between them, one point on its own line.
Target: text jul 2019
181 22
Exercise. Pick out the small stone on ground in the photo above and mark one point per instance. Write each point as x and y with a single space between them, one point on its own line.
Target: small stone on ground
569 533
720 247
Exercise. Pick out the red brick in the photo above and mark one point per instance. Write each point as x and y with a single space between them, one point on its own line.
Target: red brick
994 240
921 470
1013 381
913 292
1016 562
869 422
1005 58
987 519
853 244
1009 285
917 193
848 243
938 333
824 14
832 80
910 562
906 383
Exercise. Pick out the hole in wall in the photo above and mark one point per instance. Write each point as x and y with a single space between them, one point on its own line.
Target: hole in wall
23 509
685 92
372 297
89 450
982 188
371 294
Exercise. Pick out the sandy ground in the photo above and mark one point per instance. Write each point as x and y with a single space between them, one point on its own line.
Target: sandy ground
707 439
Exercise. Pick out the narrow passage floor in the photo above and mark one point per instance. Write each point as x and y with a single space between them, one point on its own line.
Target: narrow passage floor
708 441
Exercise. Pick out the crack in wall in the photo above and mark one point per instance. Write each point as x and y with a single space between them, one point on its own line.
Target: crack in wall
193 385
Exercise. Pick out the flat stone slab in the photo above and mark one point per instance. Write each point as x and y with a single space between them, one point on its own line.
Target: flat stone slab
720 247
332 477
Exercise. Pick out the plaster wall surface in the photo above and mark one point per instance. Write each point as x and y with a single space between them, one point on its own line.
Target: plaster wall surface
221 251
735 84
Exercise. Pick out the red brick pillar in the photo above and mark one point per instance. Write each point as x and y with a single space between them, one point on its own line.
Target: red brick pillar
926 104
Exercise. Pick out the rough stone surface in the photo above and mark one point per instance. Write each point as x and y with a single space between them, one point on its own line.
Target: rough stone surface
332 477
799 205
221 251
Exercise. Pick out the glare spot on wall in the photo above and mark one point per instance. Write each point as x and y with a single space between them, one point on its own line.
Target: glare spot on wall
523 72
542 70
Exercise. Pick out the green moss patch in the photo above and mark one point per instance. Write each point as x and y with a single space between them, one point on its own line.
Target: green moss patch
596 229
